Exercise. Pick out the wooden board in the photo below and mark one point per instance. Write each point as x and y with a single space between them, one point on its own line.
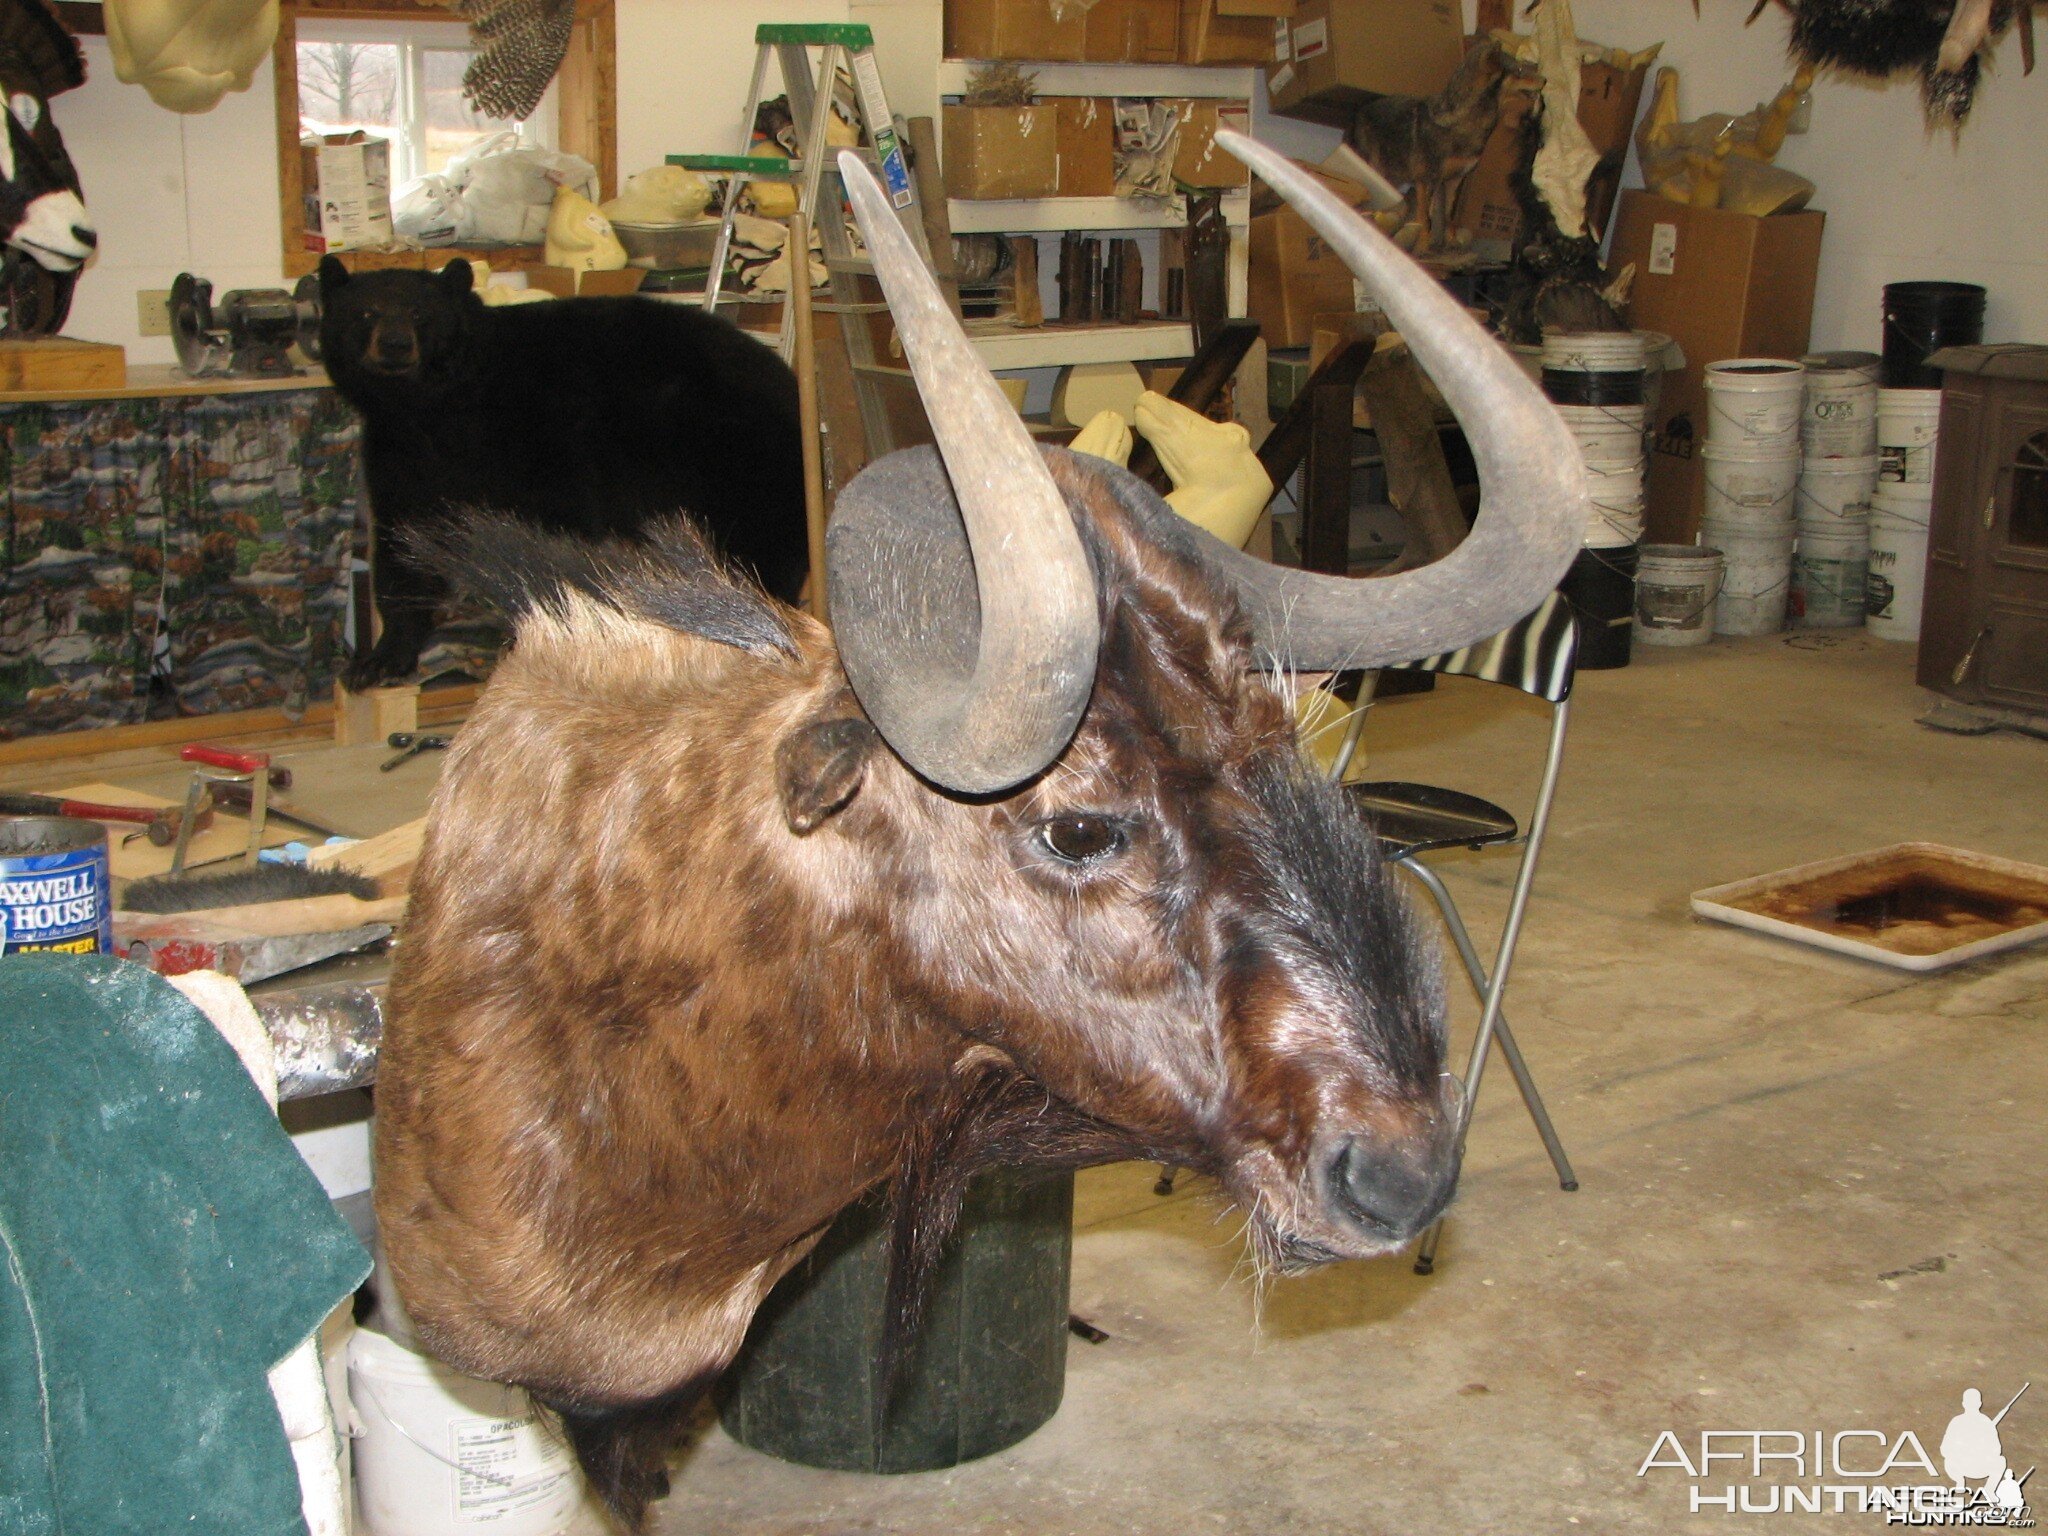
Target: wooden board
58 362
387 858
227 838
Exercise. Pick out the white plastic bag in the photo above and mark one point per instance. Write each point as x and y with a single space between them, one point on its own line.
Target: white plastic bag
429 212
506 189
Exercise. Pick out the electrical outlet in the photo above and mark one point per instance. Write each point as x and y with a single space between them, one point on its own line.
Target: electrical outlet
153 311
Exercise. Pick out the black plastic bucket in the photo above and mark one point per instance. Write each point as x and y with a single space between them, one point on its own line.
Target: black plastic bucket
1570 386
1922 318
1601 587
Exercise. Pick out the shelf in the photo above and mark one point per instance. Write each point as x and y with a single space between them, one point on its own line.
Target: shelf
1054 215
1005 347
1217 81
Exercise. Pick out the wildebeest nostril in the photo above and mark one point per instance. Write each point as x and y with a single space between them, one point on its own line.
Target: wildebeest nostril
86 236
1393 1191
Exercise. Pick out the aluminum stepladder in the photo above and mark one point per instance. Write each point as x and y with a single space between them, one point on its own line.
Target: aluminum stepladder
820 194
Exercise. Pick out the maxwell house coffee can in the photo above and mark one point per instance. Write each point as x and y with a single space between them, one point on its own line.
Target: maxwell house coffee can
55 891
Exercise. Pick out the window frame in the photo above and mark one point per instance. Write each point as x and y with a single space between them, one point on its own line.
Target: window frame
587 123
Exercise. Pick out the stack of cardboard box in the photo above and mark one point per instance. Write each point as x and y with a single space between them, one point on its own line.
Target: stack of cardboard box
1117 31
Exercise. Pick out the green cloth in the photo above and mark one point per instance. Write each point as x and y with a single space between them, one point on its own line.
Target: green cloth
164 1246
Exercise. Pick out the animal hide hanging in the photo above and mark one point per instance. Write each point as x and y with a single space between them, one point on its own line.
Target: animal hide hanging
1946 41
1567 158
520 46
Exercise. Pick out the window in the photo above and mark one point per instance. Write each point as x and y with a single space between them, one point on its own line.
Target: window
393 68
402 81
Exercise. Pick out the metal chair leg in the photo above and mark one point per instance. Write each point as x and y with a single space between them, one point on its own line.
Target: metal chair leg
1511 1052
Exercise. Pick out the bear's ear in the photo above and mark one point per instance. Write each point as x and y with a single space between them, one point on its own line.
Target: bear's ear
332 273
459 277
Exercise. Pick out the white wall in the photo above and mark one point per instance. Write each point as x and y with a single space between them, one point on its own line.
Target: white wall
1902 203
173 193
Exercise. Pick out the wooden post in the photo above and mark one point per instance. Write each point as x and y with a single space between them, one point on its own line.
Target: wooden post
806 362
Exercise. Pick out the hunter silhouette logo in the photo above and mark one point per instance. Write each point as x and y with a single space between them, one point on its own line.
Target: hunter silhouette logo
1857 1471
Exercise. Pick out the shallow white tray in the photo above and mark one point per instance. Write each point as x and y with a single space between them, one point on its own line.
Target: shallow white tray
1910 945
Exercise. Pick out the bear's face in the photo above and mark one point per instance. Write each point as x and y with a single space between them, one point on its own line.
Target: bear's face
395 325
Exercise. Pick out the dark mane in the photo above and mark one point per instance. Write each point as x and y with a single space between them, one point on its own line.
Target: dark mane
31 32
669 577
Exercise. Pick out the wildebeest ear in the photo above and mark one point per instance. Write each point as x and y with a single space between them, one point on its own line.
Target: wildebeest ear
819 768
460 276
332 273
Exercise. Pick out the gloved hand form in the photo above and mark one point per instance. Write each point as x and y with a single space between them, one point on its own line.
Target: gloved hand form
1218 483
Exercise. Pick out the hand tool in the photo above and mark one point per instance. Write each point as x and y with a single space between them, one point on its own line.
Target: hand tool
239 762
413 744
159 824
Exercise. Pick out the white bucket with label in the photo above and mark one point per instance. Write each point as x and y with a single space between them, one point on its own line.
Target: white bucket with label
1756 580
1677 587
1605 432
1840 420
1829 571
1755 400
1908 421
1755 487
1615 492
1897 579
443 1454
1836 491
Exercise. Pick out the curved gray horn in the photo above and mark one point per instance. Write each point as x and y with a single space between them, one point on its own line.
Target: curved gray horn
1532 486
975 673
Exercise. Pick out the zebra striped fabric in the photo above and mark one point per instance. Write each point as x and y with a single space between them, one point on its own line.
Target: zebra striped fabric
1538 654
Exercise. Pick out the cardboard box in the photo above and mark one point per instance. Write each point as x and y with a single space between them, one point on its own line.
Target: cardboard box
1200 161
1294 275
1014 29
345 179
996 152
1337 53
1132 32
1231 31
1486 209
1087 144
566 283
1721 285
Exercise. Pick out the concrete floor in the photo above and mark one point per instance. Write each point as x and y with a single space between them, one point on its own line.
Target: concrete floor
1812 1188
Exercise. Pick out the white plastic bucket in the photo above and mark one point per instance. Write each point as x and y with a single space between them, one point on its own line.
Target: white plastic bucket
1756 581
1605 432
443 1454
1657 352
1836 491
1615 493
1840 418
1755 400
1677 586
1750 486
1593 351
1829 571
1908 421
1897 579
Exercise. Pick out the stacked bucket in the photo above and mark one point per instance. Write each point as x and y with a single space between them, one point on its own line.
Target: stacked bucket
1752 454
1596 380
1919 319
1838 472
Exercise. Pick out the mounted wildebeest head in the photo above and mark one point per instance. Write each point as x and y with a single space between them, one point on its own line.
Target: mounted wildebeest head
723 920
48 235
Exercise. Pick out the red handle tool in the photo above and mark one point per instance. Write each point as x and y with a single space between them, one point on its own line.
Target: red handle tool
236 762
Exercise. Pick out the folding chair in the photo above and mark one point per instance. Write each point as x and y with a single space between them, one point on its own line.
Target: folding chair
1539 656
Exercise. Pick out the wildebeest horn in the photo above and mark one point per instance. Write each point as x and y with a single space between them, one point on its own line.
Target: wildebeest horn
975 670
1533 490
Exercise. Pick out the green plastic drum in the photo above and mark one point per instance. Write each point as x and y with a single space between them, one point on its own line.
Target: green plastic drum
987 1369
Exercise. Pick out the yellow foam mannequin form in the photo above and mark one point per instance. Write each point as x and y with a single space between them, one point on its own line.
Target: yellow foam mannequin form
579 237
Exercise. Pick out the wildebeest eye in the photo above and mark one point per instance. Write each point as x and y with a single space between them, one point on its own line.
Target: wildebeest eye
26 109
1082 839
